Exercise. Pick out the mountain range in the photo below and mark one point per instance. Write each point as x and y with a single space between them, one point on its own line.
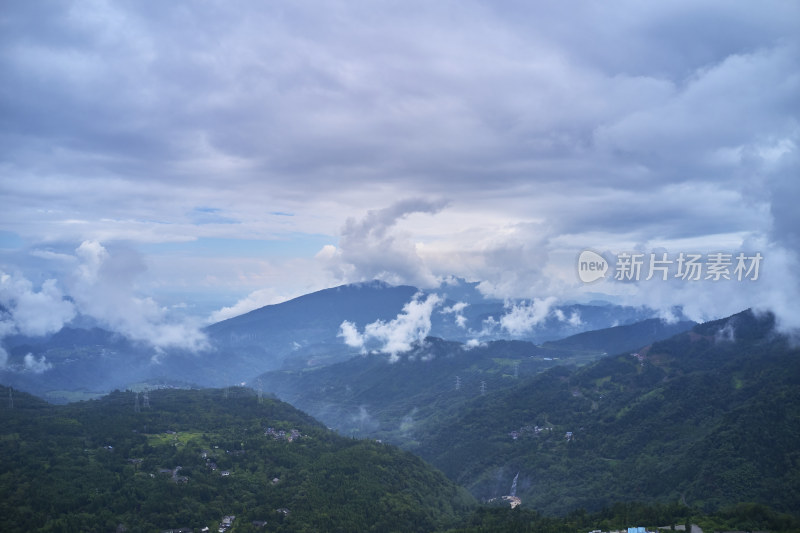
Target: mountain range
83 362
702 414
708 417
192 459
378 396
700 418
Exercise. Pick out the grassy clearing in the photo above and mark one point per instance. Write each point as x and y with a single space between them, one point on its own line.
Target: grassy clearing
176 439
69 396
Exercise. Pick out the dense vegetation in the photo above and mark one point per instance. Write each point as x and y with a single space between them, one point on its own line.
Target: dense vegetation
701 428
104 466
84 361
700 418
191 458
370 396
741 517
621 338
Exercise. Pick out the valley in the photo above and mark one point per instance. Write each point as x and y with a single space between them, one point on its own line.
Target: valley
83 360
682 419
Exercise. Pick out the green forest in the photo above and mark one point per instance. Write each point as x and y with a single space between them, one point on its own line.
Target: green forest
698 429
191 457
695 419
195 458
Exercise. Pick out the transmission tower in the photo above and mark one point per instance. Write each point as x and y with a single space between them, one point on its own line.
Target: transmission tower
483 388
146 400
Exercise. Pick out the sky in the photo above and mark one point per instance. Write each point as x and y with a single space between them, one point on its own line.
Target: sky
167 165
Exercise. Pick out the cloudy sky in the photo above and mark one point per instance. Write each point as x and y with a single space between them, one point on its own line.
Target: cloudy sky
169 160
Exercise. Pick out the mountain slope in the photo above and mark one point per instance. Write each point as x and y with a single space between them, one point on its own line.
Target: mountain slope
620 339
309 325
78 363
369 395
698 418
189 458
293 332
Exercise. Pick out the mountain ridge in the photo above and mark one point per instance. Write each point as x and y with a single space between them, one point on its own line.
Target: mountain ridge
674 421
188 458
77 363
386 394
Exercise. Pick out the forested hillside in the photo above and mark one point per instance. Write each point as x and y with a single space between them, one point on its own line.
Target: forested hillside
702 427
708 418
190 458
83 360
621 338
373 395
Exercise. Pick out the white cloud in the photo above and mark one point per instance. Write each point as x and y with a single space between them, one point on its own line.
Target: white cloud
349 332
457 310
548 127
706 299
370 248
103 287
725 334
33 312
252 301
37 366
473 343
92 255
398 335
574 318
523 317
489 327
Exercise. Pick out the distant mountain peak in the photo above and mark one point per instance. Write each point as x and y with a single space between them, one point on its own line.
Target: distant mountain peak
746 325
374 284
